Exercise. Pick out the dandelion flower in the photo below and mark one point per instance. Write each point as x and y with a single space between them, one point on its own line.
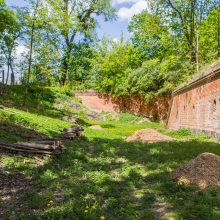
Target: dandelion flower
102 217
51 201
48 204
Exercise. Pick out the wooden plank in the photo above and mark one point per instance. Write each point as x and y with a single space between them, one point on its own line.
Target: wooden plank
7 147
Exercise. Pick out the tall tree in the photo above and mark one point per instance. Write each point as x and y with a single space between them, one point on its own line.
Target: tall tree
32 20
73 18
188 14
10 31
209 40
147 31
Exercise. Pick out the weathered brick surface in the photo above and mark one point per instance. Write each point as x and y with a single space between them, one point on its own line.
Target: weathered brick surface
96 103
197 105
134 104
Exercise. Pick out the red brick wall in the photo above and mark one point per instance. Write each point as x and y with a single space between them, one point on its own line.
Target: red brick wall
94 102
198 108
157 108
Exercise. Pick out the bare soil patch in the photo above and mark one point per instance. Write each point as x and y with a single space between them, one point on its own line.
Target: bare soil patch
96 127
148 135
11 188
203 171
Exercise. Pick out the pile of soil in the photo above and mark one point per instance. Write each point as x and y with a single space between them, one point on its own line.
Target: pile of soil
148 135
96 127
203 171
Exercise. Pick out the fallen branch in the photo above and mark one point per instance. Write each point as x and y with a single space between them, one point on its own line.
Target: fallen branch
14 148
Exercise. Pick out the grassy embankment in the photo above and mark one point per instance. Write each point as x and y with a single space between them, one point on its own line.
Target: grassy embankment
101 176
42 115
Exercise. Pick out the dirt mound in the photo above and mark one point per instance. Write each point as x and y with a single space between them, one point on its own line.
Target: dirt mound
203 171
148 135
96 127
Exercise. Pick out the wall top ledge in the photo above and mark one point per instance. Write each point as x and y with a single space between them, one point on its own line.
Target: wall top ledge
204 76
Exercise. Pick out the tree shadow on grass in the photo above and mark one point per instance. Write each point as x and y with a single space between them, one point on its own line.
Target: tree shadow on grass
121 180
11 132
39 99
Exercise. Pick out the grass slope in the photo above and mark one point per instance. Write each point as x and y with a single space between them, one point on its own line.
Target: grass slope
100 176
42 115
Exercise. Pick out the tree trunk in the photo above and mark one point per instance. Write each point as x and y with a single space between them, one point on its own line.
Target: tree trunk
3 77
197 50
3 82
29 63
64 72
192 49
68 40
7 77
12 74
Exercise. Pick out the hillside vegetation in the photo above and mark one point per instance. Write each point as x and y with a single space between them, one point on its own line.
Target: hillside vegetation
42 115
99 176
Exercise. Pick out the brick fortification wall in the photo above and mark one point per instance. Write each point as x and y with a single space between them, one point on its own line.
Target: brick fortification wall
156 109
197 105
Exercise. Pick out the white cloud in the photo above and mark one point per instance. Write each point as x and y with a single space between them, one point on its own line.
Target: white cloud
118 2
126 13
115 39
21 49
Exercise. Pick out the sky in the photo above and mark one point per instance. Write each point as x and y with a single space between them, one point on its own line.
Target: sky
114 29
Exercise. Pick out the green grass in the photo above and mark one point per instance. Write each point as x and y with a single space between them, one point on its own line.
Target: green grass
99 175
125 117
44 125
102 175
42 115
40 100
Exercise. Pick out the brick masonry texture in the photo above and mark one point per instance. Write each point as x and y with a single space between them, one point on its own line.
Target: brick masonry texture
156 109
197 104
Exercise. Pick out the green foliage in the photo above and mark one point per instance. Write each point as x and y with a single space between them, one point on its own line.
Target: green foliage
155 78
121 68
71 19
147 32
110 65
209 37
161 53
80 62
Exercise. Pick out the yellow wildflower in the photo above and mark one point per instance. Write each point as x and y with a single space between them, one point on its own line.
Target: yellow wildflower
102 217
93 207
51 201
48 204
87 207
86 211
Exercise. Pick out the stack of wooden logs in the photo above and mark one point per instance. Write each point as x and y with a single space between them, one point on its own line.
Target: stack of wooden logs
72 132
46 145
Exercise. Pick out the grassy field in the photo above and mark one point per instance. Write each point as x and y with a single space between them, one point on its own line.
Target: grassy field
100 176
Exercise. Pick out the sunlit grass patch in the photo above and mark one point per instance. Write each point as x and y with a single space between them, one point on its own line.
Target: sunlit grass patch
43 124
